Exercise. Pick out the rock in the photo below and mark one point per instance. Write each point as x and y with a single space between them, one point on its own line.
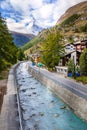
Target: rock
52 101
36 127
32 88
63 107
56 115
42 103
29 95
22 81
23 90
33 115
36 83
34 93
41 114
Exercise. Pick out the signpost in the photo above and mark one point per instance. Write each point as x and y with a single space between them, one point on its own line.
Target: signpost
40 65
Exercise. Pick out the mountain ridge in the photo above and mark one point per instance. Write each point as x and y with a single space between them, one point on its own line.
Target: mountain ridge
21 38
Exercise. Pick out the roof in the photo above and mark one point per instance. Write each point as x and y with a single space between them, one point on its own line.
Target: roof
71 53
80 42
68 44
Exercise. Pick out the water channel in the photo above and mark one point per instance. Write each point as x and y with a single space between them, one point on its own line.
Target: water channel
41 109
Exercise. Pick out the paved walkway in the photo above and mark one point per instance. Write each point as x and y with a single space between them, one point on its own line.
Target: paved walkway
8 116
70 84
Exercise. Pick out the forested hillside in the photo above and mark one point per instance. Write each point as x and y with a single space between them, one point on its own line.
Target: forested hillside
35 44
9 53
21 39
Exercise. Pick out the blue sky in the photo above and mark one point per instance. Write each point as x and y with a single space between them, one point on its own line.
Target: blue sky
21 15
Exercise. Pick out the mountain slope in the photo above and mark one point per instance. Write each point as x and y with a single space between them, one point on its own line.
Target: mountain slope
74 22
79 8
20 39
72 25
36 40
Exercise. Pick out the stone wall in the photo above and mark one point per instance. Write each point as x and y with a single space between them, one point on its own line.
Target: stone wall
78 104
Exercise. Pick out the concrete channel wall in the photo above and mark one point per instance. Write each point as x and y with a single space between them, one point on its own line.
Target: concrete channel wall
78 104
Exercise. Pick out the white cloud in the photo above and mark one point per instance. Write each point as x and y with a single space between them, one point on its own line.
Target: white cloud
25 5
19 26
45 11
25 13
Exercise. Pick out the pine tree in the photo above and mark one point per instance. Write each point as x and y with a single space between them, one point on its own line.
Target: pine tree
7 48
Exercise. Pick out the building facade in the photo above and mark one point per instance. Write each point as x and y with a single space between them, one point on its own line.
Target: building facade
73 52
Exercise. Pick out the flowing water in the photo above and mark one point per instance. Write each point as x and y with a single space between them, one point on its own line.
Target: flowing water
41 109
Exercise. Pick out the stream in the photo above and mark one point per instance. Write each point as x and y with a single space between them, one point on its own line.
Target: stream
41 109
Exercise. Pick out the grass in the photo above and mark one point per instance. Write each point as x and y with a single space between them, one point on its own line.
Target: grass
82 79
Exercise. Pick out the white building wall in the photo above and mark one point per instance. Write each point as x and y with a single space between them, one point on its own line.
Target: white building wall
69 48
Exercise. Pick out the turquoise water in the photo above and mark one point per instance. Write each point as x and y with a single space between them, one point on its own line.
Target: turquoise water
41 109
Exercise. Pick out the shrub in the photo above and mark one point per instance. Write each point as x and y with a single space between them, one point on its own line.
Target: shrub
83 63
83 28
82 79
71 68
70 20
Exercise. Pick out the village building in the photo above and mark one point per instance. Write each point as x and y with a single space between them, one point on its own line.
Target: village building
73 52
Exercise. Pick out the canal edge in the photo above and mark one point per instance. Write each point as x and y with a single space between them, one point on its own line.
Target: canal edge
18 101
78 104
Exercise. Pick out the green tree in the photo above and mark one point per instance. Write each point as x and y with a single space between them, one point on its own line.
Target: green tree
20 54
52 49
83 63
71 68
8 50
